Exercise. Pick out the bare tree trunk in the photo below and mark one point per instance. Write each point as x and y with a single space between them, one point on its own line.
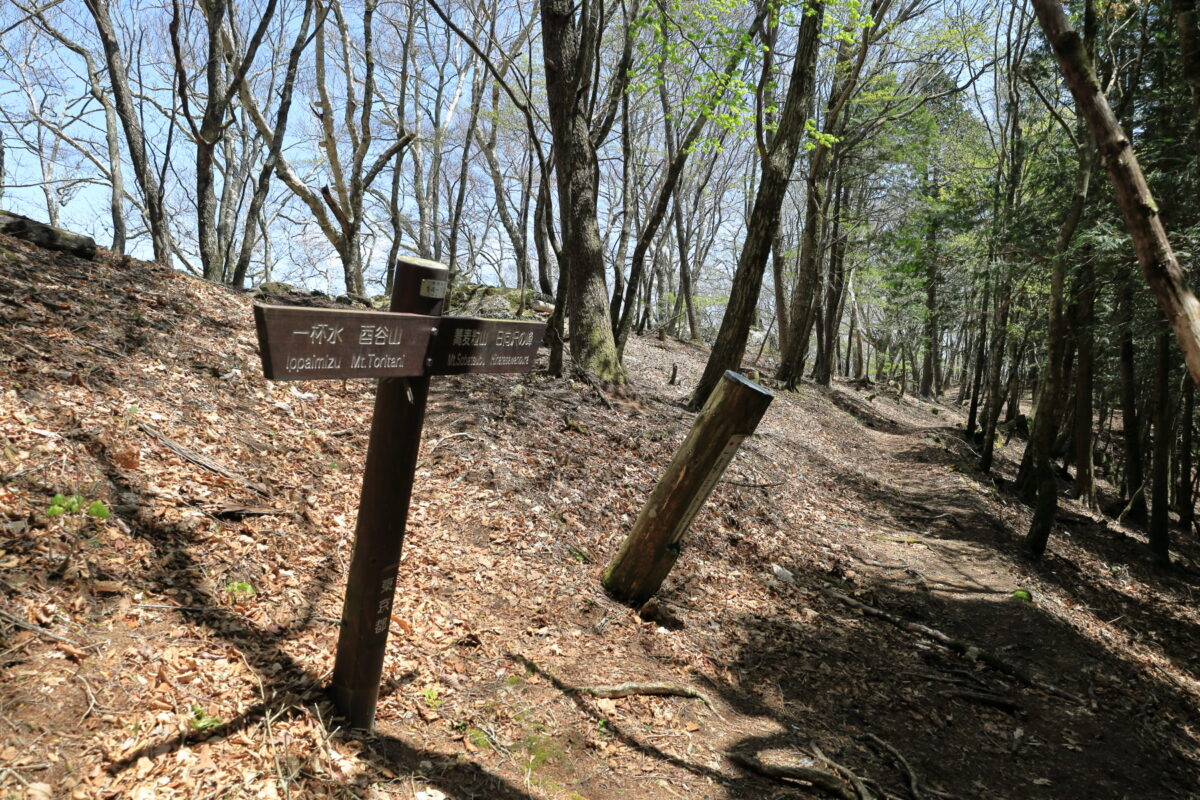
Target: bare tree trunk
991 412
223 79
1084 488
1185 498
980 358
677 160
271 162
147 179
730 346
1186 21
1159 531
847 69
1050 400
834 290
464 175
1130 423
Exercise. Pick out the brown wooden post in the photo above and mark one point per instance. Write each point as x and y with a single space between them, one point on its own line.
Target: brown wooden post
731 414
419 288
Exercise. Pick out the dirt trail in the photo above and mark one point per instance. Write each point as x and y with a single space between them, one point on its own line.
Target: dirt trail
1103 623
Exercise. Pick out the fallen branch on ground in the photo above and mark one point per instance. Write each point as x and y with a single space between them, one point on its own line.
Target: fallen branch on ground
38 629
47 236
200 459
993 700
955 645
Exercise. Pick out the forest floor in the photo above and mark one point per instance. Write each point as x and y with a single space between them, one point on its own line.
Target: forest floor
180 647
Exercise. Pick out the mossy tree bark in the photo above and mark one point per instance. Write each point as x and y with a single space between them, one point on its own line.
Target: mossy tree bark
568 44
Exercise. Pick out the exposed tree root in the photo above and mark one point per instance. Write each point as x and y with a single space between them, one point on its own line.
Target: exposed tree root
913 786
629 689
956 645
860 789
825 781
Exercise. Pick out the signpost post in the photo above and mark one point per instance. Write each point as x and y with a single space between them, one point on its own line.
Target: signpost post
403 347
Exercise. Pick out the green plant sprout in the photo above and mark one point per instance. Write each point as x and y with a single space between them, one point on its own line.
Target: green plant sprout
239 589
61 505
431 697
201 720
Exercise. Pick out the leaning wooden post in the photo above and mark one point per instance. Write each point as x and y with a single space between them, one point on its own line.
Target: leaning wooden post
648 553
419 288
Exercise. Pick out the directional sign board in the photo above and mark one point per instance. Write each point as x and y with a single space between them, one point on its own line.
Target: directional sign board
469 345
299 343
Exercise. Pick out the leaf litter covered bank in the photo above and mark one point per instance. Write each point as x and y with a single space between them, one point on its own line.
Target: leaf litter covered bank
177 644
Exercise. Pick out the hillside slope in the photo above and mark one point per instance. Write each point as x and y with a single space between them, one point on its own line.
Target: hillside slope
179 646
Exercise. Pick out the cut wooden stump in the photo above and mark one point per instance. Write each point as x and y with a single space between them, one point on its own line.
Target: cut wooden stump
46 236
649 551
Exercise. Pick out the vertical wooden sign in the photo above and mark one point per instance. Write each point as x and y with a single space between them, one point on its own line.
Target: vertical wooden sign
419 288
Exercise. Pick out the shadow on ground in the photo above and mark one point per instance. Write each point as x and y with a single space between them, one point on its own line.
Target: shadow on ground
966 731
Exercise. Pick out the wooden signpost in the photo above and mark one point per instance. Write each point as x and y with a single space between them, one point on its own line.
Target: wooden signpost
403 347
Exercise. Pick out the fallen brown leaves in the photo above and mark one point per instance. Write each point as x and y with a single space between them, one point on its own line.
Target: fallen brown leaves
179 647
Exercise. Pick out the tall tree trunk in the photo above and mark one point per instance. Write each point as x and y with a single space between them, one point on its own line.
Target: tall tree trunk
678 153
627 209
991 412
834 290
1185 498
271 162
1046 421
1160 522
763 223
1130 424
1050 399
1159 265
778 268
930 360
542 242
464 175
847 68
143 170
566 45
1186 22
980 358
1084 488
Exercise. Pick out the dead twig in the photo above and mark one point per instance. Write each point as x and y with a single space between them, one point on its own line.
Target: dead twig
661 689
200 459
993 700
438 443
753 485
825 781
38 629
